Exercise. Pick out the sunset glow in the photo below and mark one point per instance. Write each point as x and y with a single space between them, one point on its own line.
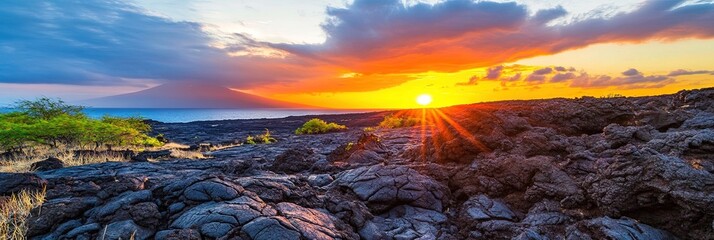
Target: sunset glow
360 54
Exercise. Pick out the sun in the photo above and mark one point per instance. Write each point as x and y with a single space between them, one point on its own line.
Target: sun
423 99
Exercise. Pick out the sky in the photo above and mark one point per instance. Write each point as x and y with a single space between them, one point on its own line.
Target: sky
357 54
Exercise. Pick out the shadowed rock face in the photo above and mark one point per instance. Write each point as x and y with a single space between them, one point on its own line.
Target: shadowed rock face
620 168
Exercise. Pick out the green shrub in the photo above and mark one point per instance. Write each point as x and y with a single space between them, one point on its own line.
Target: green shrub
392 121
317 126
265 138
54 124
250 140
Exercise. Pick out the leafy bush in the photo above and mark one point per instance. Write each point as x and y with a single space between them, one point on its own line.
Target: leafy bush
53 123
250 140
317 126
392 121
264 138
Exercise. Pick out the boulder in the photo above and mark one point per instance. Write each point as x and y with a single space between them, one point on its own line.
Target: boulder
214 189
216 219
82 230
15 182
405 222
125 230
320 180
178 234
311 223
624 228
367 150
50 163
56 211
268 228
656 189
483 208
119 206
294 160
145 214
383 187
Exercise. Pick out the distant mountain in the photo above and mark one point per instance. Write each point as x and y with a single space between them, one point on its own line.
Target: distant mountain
189 95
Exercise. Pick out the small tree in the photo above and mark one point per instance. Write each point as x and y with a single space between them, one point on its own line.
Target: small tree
47 108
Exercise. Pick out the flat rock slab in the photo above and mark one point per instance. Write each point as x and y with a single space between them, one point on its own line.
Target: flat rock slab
385 186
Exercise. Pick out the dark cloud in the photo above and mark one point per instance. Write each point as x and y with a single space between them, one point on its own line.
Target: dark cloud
560 77
547 15
543 71
514 78
535 78
629 79
631 72
494 73
473 80
682 72
564 69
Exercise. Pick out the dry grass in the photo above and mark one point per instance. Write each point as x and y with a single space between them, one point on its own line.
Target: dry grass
176 153
22 164
14 212
173 145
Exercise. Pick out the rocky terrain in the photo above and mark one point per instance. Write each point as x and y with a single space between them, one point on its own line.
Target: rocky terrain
588 168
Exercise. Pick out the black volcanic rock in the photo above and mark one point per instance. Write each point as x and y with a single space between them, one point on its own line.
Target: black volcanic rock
367 150
50 163
11 183
294 160
588 168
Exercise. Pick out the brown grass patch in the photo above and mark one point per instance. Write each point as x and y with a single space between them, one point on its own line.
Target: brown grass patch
14 212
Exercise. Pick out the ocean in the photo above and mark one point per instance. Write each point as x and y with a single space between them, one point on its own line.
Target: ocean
180 115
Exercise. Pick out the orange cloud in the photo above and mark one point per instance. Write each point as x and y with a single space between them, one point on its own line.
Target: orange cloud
384 39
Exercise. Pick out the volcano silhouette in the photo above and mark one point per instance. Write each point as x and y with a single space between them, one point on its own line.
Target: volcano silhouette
189 95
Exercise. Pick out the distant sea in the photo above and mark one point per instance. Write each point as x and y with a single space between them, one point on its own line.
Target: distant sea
180 115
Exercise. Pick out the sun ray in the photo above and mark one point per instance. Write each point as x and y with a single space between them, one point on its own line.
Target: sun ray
462 131
422 149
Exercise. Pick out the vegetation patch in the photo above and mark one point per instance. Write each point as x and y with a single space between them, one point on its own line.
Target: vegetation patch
393 121
265 138
15 210
45 128
317 126
54 124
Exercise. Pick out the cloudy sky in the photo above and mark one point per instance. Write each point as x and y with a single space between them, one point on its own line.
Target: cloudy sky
357 54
